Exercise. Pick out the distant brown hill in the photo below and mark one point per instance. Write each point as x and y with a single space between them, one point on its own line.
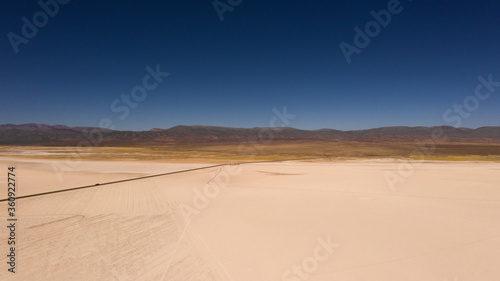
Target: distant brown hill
60 135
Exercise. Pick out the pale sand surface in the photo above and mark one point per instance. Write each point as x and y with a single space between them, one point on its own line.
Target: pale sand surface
441 223
39 175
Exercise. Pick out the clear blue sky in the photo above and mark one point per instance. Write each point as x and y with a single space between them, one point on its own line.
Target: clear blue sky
263 55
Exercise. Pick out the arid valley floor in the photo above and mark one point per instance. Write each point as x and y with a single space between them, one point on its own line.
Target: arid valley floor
345 220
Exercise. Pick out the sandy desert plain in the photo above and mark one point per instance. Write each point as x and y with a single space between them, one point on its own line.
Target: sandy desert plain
377 219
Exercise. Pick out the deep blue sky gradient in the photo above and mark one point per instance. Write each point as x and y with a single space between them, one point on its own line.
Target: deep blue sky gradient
264 55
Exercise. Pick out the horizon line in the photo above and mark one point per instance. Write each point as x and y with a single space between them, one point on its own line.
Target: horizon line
213 126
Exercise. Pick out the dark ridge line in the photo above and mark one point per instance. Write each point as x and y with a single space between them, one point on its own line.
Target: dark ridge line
133 179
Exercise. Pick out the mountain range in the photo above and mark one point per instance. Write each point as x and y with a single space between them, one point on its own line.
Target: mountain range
61 135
